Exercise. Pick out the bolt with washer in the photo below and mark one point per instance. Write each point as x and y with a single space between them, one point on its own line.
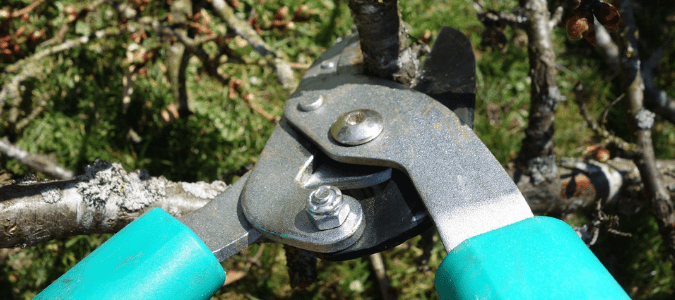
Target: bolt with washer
326 208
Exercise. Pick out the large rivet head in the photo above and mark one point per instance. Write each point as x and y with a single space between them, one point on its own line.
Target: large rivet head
310 104
357 127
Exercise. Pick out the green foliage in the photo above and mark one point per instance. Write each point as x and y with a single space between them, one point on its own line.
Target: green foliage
83 120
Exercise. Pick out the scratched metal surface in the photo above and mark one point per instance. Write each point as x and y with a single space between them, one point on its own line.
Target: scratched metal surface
464 188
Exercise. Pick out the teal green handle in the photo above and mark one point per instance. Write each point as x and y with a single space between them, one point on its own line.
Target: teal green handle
537 258
154 257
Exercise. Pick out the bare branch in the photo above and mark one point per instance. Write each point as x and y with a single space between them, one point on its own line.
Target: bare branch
27 9
608 49
32 67
383 39
606 112
642 121
556 18
386 291
662 103
243 29
536 157
103 200
36 162
178 58
630 149
69 44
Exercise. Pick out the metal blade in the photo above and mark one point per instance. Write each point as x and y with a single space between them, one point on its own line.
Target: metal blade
449 74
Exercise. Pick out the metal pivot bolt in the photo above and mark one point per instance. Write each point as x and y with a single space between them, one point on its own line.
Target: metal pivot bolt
326 208
357 127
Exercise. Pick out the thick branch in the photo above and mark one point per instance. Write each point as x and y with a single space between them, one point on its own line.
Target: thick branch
103 200
536 156
383 38
107 198
642 121
36 162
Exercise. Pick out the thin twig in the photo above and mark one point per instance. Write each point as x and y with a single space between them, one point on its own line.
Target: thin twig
36 162
243 29
27 9
69 44
40 107
630 149
606 112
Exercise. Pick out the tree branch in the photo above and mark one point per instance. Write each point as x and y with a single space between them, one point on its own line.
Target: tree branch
36 162
31 64
608 49
536 157
177 57
642 121
629 148
27 9
103 200
659 101
383 40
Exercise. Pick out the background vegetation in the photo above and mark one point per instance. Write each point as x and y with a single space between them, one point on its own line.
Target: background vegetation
78 98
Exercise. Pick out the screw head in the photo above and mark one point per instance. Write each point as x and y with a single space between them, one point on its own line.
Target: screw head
357 127
309 104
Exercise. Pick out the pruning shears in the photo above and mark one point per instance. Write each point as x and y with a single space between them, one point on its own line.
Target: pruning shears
358 165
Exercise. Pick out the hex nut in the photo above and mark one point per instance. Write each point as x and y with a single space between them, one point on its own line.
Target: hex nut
326 208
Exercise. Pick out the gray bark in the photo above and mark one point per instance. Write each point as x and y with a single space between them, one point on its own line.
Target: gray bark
642 120
536 157
383 39
103 200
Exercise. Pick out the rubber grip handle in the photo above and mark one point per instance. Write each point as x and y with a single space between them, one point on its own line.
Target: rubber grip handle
154 257
537 258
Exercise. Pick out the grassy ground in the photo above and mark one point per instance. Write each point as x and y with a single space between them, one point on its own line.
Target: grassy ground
84 121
